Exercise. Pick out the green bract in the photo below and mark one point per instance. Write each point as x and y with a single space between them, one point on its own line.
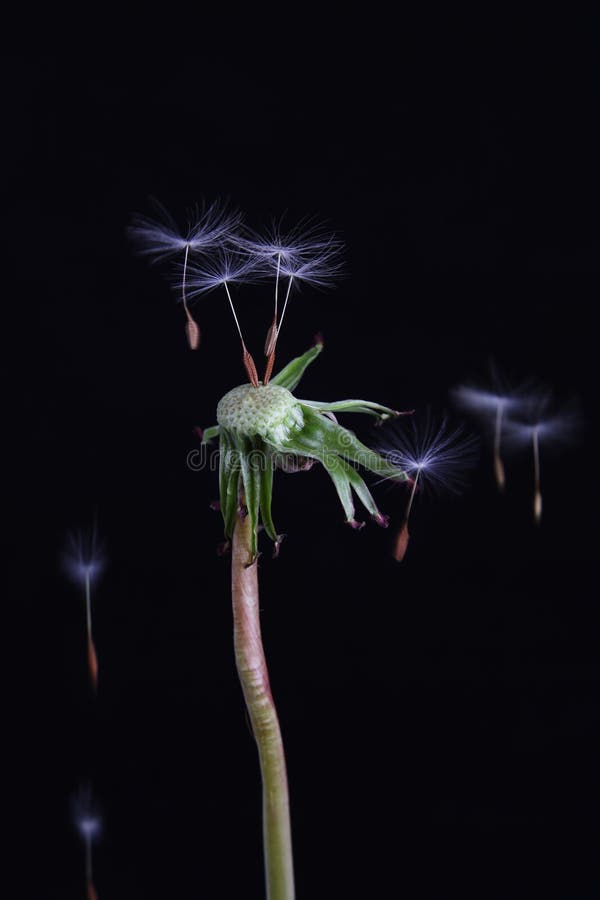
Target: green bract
261 428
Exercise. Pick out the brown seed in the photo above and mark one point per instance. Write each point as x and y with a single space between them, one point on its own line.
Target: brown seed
250 367
271 339
401 543
193 333
269 368
93 664
499 472
537 506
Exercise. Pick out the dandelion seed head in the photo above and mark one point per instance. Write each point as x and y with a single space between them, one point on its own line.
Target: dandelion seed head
83 558
225 267
160 237
318 271
294 246
435 452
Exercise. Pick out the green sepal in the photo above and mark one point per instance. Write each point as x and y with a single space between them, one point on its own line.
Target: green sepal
320 435
337 472
251 461
363 493
266 493
209 433
291 374
229 482
357 406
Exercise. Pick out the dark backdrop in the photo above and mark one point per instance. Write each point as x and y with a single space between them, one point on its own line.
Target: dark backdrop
440 716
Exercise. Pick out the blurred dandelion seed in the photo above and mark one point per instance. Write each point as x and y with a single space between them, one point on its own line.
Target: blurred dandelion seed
492 405
430 453
83 562
88 823
538 424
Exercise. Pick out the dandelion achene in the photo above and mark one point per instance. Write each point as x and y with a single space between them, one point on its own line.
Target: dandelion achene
192 332
401 542
92 663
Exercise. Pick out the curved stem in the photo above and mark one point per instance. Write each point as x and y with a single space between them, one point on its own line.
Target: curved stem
254 678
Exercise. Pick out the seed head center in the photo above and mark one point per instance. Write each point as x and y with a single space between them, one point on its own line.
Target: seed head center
264 410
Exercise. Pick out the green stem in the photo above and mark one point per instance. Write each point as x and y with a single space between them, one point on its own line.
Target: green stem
254 678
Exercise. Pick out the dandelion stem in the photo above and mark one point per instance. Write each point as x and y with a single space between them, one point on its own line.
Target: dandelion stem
91 650
247 358
285 303
183 296
537 493
498 465
254 678
226 286
412 496
88 859
277 286
88 606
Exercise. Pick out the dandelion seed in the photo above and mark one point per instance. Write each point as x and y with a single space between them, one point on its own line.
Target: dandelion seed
302 254
303 240
428 453
223 269
83 563
319 271
539 424
192 332
160 238
88 823
491 405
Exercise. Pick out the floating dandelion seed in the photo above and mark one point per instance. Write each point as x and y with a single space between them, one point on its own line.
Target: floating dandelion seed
305 254
83 562
320 270
225 268
88 823
428 453
493 406
539 424
160 238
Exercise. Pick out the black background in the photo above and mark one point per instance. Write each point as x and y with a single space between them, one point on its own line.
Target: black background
440 716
